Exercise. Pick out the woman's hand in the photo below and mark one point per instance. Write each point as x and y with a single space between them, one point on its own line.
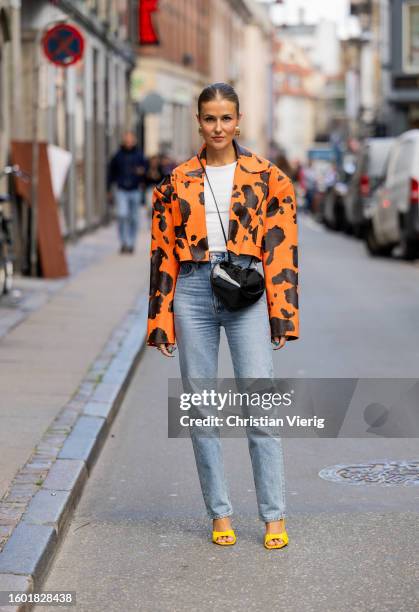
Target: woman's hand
278 342
167 349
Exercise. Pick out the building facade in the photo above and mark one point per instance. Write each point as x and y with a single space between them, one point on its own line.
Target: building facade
202 42
175 70
296 90
82 108
309 66
255 82
403 95
10 78
367 59
385 67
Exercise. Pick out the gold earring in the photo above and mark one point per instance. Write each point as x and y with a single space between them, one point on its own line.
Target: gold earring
237 130
200 130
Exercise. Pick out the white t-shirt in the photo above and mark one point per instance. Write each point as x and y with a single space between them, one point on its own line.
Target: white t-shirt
221 179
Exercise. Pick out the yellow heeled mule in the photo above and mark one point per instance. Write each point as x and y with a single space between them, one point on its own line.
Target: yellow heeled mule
276 536
218 534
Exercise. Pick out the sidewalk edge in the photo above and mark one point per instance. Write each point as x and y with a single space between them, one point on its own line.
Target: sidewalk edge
67 454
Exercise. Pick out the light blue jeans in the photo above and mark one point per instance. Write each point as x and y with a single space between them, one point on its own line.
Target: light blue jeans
198 316
127 212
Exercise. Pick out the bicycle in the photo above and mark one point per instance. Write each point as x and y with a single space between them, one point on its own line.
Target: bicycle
6 240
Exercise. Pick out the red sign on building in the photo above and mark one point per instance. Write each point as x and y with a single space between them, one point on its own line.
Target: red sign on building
147 33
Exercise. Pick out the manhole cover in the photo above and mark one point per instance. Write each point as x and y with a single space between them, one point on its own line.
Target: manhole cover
385 473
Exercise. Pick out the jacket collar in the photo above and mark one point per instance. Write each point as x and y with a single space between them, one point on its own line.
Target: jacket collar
246 160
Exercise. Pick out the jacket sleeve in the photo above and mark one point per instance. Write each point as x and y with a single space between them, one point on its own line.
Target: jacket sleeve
280 256
164 267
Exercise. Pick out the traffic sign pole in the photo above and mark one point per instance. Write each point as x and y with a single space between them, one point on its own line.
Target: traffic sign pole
63 44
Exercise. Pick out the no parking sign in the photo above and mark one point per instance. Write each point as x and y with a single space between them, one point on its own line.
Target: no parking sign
63 45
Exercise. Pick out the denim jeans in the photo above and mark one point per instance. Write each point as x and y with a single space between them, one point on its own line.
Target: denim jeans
198 316
127 212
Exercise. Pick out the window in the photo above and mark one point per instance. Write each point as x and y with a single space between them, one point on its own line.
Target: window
393 159
92 5
406 154
80 149
294 81
1 89
411 37
60 127
102 9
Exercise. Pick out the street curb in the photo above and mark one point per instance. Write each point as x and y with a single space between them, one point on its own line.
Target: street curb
67 455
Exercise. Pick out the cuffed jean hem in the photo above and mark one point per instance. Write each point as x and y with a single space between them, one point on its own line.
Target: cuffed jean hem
274 517
220 516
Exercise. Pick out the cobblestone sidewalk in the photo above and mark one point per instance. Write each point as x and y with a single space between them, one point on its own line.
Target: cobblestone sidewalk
55 349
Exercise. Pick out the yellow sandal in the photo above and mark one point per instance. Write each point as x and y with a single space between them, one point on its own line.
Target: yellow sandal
217 534
276 536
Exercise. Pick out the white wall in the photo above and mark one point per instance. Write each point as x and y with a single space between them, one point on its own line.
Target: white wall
294 125
367 81
254 90
352 94
321 44
327 48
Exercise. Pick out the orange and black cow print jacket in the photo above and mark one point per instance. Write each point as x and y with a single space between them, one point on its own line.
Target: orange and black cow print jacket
263 223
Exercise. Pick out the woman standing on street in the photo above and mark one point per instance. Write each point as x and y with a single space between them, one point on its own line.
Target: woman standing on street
256 204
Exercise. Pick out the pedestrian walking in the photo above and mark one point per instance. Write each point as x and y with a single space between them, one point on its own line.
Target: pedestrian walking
226 189
310 185
283 163
153 177
127 169
167 163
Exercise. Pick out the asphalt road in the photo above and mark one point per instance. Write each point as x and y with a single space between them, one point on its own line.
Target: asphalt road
139 539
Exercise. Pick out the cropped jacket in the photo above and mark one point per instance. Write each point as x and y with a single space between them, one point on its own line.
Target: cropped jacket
263 223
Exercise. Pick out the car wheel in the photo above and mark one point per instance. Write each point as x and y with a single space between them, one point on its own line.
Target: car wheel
338 218
347 227
359 230
373 247
409 249
8 283
3 278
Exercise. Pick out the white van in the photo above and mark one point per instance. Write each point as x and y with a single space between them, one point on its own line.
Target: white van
394 218
371 163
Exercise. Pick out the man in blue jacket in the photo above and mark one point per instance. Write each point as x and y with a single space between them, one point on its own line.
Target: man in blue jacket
127 169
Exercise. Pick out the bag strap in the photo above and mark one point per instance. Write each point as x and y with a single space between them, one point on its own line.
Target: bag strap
219 216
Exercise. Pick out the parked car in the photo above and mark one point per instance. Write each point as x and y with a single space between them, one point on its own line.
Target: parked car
316 175
376 240
332 212
369 172
393 218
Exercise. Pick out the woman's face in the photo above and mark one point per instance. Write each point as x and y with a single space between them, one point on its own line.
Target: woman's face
218 120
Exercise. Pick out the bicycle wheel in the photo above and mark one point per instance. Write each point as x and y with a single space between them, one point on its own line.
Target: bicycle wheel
6 270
